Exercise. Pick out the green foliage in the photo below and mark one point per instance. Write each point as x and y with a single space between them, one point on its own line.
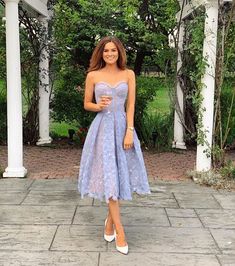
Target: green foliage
61 129
1 10
2 51
161 102
67 104
192 71
143 26
228 171
226 95
160 125
3 113
145 93
78 25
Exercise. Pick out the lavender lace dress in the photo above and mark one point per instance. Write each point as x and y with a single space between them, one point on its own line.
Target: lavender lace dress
106 169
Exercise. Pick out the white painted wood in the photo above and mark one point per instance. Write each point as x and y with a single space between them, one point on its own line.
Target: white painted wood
39 6
14 99
189 8
178 141
203 161
44 89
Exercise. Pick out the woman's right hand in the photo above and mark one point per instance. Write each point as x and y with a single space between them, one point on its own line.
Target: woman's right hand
103 103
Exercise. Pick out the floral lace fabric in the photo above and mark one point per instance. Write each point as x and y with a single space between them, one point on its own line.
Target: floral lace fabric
106 169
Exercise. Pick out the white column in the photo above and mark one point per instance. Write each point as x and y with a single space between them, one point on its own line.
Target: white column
209 53
178 141
14 99
44 88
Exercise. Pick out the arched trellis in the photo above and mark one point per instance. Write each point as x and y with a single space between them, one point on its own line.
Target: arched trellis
38 8
203 159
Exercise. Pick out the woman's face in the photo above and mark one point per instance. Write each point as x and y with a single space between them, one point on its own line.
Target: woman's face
110 53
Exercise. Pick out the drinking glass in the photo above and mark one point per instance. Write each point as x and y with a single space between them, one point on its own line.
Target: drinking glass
107 96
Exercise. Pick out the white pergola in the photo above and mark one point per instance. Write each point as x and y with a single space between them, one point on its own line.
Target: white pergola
203 159
15 166
38 8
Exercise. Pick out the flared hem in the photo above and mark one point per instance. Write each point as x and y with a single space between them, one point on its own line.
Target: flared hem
106 198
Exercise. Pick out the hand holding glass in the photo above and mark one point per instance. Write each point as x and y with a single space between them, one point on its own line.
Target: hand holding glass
107 99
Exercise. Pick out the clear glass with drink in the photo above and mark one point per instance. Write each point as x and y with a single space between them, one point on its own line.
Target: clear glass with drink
107 97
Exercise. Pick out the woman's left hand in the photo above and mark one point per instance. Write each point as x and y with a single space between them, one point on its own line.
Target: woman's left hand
128 140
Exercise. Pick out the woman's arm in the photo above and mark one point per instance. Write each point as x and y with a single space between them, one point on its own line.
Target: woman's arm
130 110
88 97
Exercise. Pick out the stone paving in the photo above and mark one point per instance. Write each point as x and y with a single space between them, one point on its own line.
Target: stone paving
45 222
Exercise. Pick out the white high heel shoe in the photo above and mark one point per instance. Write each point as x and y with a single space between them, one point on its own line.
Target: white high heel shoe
124 249
108 238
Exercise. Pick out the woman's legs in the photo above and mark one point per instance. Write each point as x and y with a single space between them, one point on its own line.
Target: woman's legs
115 218
109 225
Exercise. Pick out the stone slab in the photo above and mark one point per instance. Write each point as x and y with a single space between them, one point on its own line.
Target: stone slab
184 186
131 216
55 198
226 201
12 197
26 237
227 260
225 239
26 214
169 239
54 184
183 213
90 215
185 222
48 258
79 238
217 218
155 259
152 200
15 184
192 200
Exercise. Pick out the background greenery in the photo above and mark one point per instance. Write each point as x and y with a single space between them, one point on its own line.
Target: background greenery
144 28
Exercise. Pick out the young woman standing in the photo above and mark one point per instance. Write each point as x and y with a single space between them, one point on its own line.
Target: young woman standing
112 165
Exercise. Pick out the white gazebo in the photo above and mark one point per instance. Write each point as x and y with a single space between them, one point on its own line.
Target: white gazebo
203 161
38 9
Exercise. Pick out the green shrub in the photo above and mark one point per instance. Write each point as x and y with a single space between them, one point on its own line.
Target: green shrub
160 125
228 171
67 103
3 115
146 88
226 96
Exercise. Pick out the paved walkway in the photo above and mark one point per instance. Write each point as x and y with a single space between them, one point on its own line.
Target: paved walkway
44 222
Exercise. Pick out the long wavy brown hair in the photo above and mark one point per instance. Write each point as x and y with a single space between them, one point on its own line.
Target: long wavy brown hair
97 61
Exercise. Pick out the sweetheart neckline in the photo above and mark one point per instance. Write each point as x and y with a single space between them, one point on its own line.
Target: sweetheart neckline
109 85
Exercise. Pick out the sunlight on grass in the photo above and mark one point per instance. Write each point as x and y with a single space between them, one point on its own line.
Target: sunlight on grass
61 129
161 102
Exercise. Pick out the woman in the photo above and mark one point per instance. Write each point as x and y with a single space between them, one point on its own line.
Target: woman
112 164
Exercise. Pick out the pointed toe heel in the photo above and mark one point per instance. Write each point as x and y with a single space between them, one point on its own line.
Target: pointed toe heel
124 250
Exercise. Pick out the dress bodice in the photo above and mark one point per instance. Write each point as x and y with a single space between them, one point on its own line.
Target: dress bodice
118 93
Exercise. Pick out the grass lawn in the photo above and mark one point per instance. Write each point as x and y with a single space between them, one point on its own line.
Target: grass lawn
161 102
61 129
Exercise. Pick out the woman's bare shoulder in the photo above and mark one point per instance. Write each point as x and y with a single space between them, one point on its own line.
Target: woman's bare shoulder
92 75
130 74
